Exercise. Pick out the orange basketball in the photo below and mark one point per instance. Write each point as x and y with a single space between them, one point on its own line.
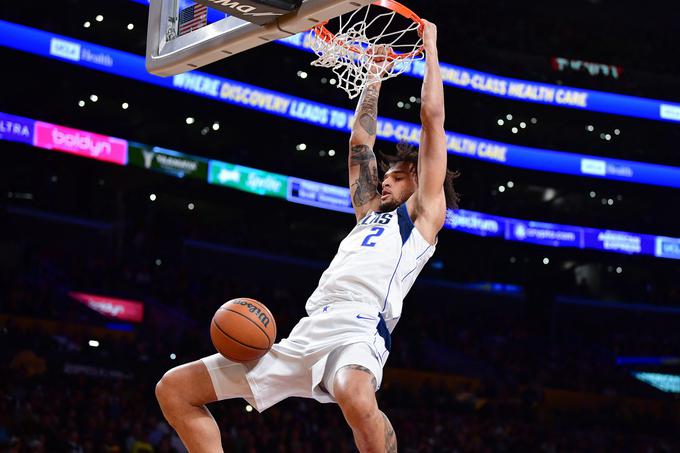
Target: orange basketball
243 330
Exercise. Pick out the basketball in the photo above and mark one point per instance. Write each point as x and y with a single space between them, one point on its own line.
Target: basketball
243 330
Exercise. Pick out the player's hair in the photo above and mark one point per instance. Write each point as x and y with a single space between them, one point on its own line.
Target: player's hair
409 154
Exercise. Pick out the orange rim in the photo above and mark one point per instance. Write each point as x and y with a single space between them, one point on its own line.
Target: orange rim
325 34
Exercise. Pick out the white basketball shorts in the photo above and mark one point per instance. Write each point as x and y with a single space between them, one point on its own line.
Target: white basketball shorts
305 363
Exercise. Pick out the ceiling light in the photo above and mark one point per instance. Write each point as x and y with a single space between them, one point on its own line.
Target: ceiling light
99 18
546 260
508 116
130 26
125 105
331 152
590 128
94 98
534 120
522 124
191 206
515 130
190 120
593 194
301 147
501 189
501 122
87 24
510 184
400 104
81 103
216 126
152 197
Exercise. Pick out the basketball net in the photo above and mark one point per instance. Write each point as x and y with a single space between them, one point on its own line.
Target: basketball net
351 52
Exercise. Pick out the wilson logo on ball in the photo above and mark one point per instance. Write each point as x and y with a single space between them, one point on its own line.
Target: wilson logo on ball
264 319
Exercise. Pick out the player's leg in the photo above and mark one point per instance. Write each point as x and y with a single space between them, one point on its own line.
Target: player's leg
354 389
182 394
184 391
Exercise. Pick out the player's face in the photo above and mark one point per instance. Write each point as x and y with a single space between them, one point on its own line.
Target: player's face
399 183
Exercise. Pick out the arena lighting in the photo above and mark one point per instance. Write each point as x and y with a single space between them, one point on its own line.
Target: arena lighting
125 106
173 356
216 126
508 117
593 194
510 184
501 122
412 99
191 206
546 260
336 198
93 343
501 189
619 270
81 103
523 125
590 128
94 98
152 197
280 104
158 262
87 24
190 120
331 152
515 130
249 408
301 147
400 104
99 18
130 26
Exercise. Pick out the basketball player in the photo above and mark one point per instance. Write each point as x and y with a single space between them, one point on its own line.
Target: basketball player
337 353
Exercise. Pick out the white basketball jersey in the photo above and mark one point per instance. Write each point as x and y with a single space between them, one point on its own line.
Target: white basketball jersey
377 262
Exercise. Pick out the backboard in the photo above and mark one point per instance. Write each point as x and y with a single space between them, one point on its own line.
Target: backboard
169 53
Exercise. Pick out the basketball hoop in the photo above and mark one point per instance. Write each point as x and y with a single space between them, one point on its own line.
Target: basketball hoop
351 51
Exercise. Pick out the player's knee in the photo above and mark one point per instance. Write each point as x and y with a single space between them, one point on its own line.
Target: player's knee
357 403
168 391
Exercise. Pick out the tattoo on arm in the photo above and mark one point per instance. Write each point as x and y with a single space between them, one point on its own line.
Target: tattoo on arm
365 370
390 436
368 109
365 188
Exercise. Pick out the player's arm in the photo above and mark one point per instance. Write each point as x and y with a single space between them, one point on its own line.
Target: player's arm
363 169
430 201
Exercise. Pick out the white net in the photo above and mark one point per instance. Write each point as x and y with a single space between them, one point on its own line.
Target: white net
352 51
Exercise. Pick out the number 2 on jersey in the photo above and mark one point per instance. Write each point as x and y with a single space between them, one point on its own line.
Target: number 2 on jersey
377 231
